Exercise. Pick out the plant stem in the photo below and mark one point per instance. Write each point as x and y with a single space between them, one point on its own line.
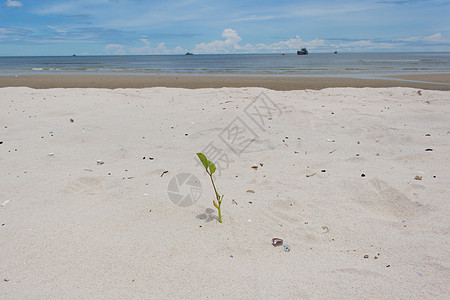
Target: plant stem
214 186
220 206
219 200
220 215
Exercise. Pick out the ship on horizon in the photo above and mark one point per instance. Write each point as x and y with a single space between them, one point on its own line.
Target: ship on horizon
302 52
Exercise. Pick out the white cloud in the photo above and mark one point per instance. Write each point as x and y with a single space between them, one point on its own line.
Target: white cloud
231 45
290 45
59 8
114 49
231 36
147 49
433 38
72 7
60 31
362 46
11 3
411 39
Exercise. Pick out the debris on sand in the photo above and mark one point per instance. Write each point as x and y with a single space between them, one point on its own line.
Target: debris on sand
277 242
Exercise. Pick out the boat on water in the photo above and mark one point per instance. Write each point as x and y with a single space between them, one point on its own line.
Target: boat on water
189 53
302 52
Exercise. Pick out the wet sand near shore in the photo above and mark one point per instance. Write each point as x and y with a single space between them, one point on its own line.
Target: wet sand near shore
45 81
435 78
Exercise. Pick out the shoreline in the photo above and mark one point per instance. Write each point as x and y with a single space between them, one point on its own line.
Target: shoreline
112 81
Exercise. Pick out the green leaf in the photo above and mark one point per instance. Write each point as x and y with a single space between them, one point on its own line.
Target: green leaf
203 159
212 167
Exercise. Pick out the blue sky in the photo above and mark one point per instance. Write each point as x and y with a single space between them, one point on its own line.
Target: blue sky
106 27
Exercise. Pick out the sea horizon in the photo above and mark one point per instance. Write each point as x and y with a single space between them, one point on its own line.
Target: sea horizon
268 64
231 54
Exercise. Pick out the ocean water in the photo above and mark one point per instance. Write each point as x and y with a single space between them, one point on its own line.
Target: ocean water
345 64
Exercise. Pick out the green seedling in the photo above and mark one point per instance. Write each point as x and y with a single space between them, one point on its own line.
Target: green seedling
210 169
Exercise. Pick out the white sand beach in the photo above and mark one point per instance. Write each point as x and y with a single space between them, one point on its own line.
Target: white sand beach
354 180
